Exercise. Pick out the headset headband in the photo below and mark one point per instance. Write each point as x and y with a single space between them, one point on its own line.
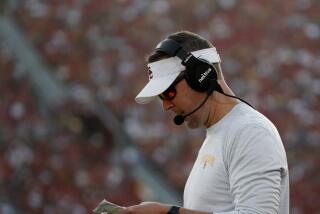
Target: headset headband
172 48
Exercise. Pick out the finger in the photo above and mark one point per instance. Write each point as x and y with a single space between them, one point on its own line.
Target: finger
144 202
125 210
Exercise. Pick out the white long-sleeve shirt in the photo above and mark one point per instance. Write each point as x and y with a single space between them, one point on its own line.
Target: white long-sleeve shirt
241 167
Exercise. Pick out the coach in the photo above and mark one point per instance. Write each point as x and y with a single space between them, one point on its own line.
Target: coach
241 166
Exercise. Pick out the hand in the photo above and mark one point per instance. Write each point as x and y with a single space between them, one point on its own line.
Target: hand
146 207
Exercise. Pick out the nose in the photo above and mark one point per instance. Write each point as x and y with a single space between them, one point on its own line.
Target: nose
167 104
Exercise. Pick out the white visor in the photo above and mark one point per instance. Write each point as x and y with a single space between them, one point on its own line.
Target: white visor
162 73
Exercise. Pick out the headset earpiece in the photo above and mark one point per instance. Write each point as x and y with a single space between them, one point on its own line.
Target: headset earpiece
201 76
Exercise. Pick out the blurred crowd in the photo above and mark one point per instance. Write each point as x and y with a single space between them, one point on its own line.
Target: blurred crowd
53 160
60 160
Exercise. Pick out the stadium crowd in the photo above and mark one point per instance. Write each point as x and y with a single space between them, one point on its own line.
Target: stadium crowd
270 54
54 160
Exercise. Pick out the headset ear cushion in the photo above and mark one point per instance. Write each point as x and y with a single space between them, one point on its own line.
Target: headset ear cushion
201 76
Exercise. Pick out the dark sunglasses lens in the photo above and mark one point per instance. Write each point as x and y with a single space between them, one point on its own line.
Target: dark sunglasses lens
169 94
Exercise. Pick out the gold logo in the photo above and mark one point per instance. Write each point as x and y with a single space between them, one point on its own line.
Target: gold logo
207 160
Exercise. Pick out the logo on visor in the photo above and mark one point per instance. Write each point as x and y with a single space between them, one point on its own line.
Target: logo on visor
150 74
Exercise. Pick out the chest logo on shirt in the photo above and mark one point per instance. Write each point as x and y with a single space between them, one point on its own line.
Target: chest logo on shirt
207 160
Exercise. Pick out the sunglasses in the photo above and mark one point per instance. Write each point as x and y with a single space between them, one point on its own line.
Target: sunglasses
171 92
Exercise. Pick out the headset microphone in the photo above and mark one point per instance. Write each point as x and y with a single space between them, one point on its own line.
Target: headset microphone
179 119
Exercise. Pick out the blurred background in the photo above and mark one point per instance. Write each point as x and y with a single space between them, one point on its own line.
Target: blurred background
71 133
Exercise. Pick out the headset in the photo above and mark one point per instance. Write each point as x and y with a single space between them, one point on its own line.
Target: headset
200 74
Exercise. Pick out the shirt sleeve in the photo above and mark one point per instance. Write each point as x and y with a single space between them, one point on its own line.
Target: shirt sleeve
256 163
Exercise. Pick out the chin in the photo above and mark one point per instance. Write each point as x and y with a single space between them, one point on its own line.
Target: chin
191 124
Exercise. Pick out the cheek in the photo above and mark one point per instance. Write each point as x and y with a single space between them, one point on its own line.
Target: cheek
187 99
193 101
185 104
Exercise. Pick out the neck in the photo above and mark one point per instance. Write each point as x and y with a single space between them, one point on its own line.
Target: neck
220 105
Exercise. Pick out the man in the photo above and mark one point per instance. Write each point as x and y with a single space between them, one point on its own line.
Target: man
241 166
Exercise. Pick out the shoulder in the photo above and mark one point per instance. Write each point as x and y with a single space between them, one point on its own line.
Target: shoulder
245 117
251 132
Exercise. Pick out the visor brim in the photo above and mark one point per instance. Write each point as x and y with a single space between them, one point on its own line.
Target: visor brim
155 87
